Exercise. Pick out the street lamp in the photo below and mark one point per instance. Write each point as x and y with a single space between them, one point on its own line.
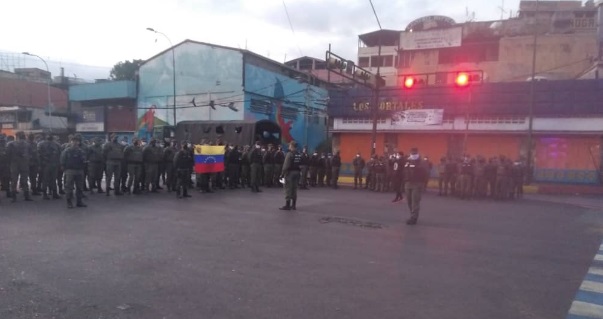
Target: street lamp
48 86
173 69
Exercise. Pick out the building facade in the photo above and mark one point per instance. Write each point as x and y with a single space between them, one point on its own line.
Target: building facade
567 45
568 117
24 106
216 83
105 108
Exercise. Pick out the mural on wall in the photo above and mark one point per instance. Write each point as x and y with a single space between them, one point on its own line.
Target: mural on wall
208 87
297 107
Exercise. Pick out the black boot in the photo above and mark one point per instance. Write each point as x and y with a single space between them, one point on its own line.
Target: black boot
287 205
56 196
81 204
294 204
69 203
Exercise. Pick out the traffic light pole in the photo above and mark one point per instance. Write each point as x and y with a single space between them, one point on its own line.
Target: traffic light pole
466 123
375 107
530 161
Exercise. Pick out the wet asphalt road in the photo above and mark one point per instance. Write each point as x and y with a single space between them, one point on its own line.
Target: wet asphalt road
233 254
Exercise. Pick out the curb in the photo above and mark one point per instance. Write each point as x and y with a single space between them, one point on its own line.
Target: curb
544 189
588 302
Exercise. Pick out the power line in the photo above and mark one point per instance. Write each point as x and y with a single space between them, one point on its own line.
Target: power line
376 16
292 30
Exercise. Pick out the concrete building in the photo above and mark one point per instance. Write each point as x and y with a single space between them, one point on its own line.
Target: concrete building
568 117
24 106
318 69
215 83
567 45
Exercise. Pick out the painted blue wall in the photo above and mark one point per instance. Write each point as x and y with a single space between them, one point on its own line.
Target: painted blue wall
299 108
203 73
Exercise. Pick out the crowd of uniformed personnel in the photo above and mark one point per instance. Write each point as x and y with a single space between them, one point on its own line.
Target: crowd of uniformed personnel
466 178
40 165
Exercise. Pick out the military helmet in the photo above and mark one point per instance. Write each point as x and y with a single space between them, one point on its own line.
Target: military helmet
76 137
20 135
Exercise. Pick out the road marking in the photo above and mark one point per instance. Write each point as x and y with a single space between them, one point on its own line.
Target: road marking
596 271
588 303
592 286
585 309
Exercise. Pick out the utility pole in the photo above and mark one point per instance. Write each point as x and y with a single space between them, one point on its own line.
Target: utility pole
530 162
375 107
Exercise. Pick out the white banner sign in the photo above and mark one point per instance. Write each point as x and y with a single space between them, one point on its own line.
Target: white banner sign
90 127
432 39
419 117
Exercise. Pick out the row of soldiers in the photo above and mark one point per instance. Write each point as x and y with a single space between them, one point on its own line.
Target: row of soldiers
261 166
139 167
499 178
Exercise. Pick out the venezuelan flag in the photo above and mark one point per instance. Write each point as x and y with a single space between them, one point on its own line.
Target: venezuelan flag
209 159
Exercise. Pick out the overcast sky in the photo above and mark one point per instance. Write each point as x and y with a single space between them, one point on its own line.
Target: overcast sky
98 34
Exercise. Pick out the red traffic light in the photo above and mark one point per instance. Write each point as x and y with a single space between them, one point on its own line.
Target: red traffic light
462 79
409 82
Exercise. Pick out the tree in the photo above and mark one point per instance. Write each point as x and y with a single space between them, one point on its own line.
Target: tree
126 70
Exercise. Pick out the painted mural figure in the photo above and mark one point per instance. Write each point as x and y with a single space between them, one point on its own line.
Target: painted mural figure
147 123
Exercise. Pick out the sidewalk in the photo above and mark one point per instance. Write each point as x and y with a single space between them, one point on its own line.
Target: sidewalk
548 189
579 195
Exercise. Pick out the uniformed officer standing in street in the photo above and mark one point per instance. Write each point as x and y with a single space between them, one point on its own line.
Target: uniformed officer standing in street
358 164
168 165
255 158
50 158
398 176
34 164
415 175
151 158
133 158
279 160
269 166
183 164
73 161
113 153
19 154
4 166
245 167
335 167
305 163
94 155
291 173
234 167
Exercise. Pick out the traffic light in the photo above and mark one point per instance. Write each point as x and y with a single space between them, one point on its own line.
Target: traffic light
462 79
411 81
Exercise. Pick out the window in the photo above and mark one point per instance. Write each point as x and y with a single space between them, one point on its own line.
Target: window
469 53
388 61
305 64
375 61
320 65
363 62
405 59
